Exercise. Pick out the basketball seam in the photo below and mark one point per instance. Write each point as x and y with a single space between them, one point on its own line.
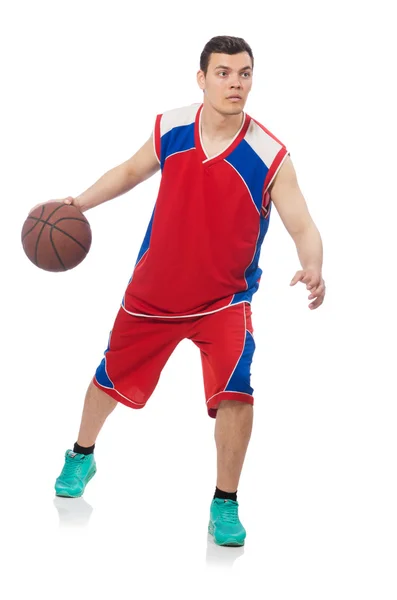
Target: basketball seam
53 226
38 221
71 219
71 237
60 219
42 229
55 250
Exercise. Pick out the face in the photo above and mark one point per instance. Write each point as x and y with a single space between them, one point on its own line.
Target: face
228 82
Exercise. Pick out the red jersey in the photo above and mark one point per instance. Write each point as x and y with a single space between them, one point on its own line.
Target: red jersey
201 250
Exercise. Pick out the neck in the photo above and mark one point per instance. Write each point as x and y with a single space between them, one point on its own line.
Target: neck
217 126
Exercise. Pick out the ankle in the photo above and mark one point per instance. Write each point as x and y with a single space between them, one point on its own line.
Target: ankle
83 449
225 495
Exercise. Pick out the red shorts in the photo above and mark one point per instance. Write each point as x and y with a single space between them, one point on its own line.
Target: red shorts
139 348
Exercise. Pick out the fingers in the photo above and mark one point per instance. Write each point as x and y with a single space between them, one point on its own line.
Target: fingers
318 294
315 284
68 200
317 302
317 291
311 280
298 277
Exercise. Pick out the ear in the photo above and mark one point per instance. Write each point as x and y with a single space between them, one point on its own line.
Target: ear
201 79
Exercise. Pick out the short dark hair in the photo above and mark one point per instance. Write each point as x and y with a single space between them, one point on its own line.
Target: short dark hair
223 44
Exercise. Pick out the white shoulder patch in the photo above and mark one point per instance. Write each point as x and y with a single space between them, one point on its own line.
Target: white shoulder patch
178 117
262 143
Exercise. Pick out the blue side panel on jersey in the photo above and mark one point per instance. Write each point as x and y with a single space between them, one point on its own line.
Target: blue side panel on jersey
146 240
246 295
240 380
144 247
251 168
177 140
254 272
253 171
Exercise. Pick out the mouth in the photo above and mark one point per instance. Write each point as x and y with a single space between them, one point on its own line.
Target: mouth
235 97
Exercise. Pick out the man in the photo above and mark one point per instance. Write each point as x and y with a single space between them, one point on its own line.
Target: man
197 269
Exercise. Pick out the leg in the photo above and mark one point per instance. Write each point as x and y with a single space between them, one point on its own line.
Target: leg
233 428
79 468
227 347
97 407
129 376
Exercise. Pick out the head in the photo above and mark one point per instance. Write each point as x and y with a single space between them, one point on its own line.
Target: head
225 75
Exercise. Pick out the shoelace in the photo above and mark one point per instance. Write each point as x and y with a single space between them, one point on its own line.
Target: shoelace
72 467
229 512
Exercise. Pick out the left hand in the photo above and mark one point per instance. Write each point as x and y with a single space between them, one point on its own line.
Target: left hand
314 283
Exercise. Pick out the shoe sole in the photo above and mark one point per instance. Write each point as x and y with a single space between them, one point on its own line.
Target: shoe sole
228 542
82 492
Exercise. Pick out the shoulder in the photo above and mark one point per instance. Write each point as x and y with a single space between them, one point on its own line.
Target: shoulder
264 142
177 117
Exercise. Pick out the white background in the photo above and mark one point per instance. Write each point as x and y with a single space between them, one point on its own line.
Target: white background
82 83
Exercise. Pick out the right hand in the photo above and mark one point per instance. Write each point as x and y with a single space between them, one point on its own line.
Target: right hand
68 200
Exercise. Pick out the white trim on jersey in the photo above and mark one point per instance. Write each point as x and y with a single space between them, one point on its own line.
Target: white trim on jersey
238 173
226 147
277 170
212 312
154 146
178 152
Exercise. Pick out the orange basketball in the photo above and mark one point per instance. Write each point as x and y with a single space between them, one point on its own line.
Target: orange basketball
56 236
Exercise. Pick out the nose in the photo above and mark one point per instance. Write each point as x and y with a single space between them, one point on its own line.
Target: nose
235 81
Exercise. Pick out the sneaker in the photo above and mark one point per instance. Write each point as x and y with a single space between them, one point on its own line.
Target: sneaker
76 473
224 525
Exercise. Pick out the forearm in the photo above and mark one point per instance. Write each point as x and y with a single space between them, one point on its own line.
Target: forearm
310 248
113 183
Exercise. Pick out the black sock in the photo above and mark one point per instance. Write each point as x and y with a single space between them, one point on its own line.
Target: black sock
225 495
82 450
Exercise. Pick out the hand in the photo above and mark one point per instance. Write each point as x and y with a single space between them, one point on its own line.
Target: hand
314 283
68 200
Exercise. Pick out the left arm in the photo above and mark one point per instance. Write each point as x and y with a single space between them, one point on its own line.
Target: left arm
292 208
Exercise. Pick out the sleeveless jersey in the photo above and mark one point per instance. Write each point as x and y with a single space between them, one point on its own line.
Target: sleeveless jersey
202 246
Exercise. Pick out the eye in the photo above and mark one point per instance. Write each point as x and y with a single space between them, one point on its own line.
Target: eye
247 73
222 73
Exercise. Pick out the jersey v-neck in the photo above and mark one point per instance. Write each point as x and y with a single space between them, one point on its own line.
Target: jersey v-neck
235 142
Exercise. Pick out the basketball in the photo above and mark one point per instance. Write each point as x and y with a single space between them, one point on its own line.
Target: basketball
56 236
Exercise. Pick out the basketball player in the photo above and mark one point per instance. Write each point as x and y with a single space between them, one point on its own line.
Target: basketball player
197 269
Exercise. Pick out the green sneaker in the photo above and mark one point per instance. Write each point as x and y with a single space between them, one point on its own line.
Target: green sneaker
76 473
224 525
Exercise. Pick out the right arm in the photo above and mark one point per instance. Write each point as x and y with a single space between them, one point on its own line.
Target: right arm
119 180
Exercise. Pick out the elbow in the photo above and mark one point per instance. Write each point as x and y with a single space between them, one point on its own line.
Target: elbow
303 230
299 229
